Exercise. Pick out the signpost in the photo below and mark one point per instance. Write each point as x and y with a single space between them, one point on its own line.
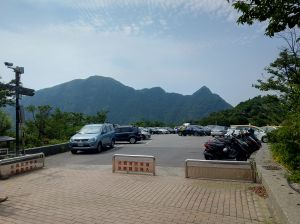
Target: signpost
19 90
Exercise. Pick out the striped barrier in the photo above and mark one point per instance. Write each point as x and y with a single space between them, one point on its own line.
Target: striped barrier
220 170
138 164
21 164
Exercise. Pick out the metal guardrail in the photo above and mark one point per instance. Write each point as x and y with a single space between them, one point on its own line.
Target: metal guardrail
21 164
139 164
220 170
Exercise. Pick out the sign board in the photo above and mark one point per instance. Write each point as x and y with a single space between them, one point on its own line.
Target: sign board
22 90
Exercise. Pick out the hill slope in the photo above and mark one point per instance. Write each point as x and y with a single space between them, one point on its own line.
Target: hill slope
259 111
125 104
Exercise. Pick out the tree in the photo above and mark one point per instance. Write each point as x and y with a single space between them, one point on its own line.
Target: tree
279 14
40 116
259 111
284 73
100 117
6 96
5 123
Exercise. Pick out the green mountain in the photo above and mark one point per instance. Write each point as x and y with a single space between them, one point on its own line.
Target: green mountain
259 111
125 104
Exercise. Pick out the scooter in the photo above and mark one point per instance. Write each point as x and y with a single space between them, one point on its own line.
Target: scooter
238 147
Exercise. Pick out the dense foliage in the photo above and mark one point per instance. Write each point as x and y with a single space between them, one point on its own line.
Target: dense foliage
278 14
50 126
5 123
286 142
5 99
283 73
145 123
259 111
284 77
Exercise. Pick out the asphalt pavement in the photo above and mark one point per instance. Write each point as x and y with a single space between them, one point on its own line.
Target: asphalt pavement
169 150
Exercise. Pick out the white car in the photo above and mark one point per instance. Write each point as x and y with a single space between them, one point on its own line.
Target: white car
258 132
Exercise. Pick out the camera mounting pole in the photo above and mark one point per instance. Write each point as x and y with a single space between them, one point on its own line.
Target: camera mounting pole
18 90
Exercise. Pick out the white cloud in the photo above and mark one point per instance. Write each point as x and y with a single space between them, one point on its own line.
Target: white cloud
61 53
99 12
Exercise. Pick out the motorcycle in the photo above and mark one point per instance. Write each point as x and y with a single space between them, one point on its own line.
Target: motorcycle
238 147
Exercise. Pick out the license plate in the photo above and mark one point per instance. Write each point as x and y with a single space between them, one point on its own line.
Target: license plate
80 144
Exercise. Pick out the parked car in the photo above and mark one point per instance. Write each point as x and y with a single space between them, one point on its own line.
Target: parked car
128 133
145 134
171 130
218 131
206 130
258 132
191 130
93 137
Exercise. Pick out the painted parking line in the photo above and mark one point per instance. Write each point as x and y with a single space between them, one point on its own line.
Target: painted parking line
148 141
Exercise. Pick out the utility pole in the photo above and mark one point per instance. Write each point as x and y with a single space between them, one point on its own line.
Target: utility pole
18 90
18 74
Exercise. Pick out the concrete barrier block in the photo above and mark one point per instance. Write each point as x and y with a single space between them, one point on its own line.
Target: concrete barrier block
139 164
21 164
220 170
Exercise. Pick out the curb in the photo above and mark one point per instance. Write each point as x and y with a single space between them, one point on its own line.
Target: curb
283 200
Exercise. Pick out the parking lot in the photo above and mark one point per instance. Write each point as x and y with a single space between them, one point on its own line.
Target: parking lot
170 150
81 188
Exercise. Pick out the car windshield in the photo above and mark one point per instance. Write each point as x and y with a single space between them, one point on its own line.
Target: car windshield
90 129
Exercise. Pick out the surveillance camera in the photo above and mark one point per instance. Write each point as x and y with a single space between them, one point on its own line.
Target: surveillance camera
8 64
19 70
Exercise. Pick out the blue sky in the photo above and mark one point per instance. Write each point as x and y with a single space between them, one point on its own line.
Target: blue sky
179 45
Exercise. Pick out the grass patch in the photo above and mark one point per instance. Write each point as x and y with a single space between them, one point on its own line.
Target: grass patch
294 177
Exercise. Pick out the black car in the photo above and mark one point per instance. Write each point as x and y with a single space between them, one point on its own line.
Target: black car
191 130
128 133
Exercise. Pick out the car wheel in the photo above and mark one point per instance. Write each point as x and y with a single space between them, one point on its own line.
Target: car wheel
264 139
112 144
99 148
132 140
73 151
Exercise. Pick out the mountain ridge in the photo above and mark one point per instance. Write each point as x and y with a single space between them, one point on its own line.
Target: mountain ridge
126 104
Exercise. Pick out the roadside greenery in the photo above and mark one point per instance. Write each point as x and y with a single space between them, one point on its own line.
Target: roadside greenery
259 111
5 123
286 142
147 123
283 74
51 126
284 78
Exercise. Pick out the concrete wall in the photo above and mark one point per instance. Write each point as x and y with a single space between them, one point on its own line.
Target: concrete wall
49 149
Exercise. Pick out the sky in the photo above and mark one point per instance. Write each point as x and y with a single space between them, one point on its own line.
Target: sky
179 45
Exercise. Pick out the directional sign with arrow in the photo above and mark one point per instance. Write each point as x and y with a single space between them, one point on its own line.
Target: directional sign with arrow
21 90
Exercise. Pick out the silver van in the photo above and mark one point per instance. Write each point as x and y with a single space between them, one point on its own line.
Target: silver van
93 137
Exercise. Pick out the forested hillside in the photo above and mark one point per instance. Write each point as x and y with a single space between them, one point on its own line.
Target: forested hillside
125 104
259 111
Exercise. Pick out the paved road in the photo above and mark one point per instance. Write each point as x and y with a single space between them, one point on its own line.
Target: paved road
91 195
169 150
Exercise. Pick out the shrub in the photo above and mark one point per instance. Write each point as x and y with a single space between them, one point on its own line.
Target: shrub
285 142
